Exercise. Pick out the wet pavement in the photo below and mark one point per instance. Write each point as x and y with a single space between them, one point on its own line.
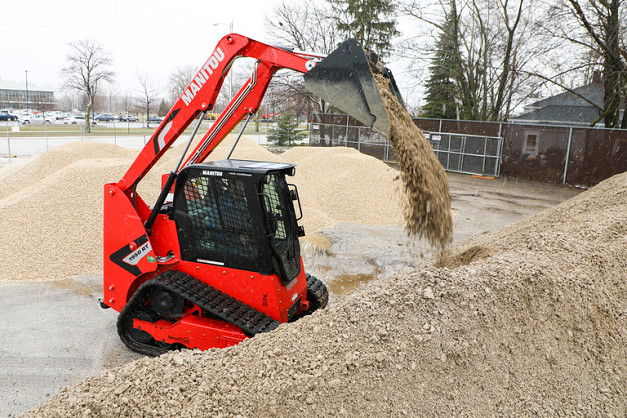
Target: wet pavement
347 256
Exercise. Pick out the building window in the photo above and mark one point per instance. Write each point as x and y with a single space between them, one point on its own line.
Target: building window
531 144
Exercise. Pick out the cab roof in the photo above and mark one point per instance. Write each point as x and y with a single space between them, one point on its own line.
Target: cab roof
247 166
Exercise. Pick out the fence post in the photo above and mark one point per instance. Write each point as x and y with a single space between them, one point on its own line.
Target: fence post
570 137
8 140
500 145
485 151
359 138
346 136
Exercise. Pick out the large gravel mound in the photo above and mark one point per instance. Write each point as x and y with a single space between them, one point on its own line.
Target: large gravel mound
535 326
52 203
19 176
343 185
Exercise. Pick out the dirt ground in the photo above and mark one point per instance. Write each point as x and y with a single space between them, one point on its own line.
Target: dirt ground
75 339
525 320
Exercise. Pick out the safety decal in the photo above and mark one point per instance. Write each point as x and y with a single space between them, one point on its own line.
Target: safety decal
159 137
129 256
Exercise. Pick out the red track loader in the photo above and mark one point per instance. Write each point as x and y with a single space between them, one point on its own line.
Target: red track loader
216 259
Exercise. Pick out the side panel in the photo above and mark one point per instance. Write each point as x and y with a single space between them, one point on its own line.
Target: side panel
264 293
164 238
127 250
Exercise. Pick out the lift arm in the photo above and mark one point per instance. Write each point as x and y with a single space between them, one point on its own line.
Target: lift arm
201 94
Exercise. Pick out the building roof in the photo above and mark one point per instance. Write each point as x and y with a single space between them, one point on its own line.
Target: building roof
567 107
12 85
593 92
578 115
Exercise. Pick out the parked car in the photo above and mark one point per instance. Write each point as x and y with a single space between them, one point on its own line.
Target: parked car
104 118
128 118
56 115
7 116
157 119
74 119
35 119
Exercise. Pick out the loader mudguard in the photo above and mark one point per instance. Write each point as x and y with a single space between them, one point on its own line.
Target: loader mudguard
128 251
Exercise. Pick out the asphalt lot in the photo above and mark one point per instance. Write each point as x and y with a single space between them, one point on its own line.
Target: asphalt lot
55 333
18 147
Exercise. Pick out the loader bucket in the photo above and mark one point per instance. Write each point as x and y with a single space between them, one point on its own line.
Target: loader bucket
345 79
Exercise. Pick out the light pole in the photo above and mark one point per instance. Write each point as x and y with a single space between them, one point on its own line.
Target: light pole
26 71
231 70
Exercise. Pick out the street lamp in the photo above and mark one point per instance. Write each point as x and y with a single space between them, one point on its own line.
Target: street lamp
231 70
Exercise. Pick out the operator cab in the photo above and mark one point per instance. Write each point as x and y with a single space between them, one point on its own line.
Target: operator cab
239 214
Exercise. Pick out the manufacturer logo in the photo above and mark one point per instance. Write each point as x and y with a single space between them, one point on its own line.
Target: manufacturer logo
212 173
163 133
203 75
183 340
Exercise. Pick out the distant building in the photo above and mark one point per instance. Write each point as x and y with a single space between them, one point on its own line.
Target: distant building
567 108
14 96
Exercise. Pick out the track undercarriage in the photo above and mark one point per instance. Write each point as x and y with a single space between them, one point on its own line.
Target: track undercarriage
175 310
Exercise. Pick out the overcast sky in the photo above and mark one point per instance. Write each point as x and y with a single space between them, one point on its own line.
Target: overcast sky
153 36
141 35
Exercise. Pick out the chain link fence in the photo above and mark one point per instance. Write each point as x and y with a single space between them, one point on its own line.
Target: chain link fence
551 153
470 154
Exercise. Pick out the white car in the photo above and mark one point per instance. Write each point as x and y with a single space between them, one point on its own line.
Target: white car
75 119
36 119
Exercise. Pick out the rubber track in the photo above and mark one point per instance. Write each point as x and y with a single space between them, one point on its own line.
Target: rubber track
208 298
317 294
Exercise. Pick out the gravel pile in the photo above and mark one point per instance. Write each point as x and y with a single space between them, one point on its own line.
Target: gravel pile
343 185
52 203
533 325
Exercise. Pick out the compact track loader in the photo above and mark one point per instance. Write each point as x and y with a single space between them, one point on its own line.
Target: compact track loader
216 259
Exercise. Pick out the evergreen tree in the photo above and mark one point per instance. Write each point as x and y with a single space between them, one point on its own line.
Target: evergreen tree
164 107
368 21
440 88
286 132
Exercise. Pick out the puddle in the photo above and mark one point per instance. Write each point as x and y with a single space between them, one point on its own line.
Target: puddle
345 283
77 287
349 256
316 244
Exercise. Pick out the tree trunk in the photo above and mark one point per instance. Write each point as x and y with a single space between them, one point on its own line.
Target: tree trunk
88 115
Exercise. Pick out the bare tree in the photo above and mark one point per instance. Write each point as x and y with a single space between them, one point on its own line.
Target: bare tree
179 80
112 92
88 67
597 34
306 26
492 42
127 102
149 92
